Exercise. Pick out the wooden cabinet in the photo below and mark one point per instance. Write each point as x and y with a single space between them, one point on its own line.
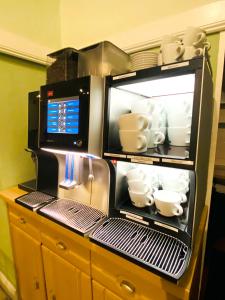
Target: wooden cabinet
56 264
28 261
51 262
63 280
101 293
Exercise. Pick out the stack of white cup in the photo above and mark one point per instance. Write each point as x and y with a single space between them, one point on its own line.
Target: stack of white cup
141 187
194 41
171 50
157 114
192 45
179 120
175 186
134 132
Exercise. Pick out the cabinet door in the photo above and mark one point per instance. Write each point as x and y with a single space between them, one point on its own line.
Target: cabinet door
101 293
28 262
63 280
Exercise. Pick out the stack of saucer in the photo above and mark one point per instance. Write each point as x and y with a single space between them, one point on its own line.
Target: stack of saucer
143 60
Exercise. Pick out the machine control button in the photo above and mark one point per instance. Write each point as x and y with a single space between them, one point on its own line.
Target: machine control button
79 143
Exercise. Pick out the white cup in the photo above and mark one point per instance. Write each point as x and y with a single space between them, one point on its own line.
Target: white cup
156 137
134 140
139 186
172 52
194 36
191 51
168 39
141 199
144 106
182 115
135 173
158 116
168 203
179 136
134 121
179 185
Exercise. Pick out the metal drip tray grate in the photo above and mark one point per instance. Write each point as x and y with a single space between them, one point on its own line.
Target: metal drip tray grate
72 214
151 248
34 200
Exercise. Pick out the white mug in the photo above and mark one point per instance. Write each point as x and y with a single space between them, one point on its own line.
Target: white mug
134 140
139 186
134 121
168 203
144 106
156 137
179 136
135 173
172 52
168 39
191 52
141 199
194 36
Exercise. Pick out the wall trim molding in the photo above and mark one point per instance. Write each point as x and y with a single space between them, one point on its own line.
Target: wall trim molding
210 17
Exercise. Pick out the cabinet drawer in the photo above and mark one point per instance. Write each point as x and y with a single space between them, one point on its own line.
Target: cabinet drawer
70 248
130 281
25 222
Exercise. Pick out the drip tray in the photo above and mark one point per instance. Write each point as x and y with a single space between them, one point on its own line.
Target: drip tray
73 215
34 200
154 250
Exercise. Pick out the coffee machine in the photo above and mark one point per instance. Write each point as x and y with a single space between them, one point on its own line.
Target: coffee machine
70 130
157 134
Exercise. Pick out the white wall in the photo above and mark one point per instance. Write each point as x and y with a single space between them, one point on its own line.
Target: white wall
30 27
84 22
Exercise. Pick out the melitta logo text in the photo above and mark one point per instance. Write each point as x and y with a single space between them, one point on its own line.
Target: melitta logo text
50 93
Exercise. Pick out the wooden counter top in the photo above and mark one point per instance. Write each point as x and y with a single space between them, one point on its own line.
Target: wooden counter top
186 288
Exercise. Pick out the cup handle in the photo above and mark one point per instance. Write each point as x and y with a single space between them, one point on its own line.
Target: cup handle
160 137
143 122
200 37
142 142
207 45
178 210
198 52
180 51
183 198
151 199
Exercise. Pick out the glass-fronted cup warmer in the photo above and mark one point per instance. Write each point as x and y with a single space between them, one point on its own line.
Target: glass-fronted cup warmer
157 134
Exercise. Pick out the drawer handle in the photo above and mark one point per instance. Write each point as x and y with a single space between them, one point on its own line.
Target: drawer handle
61 246
22 220
36 285
128 287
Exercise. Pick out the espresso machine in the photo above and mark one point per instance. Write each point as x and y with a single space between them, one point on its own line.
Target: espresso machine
157 135
73 181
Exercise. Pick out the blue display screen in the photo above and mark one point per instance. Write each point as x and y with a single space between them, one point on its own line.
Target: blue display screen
63 116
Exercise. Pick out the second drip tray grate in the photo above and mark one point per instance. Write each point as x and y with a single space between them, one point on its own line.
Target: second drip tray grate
151 248
34 200
74 215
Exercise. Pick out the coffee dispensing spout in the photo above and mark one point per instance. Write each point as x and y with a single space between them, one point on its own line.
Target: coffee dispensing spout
73 169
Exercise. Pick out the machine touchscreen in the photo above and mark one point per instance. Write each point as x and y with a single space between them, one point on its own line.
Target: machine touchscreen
63 115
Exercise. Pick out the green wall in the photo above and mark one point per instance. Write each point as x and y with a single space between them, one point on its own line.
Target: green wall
17 78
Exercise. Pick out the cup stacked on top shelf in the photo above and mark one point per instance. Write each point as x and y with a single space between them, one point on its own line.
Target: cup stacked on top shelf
157 114
194 41
134 132
192 44
179 119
